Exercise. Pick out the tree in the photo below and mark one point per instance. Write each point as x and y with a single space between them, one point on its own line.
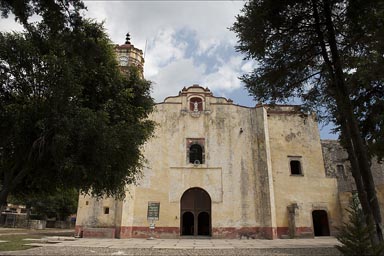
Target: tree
314 50
57 14
367 39
354 236
68 117
59 204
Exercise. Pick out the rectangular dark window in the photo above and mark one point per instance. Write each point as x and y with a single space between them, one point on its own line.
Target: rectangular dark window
106 210
295 167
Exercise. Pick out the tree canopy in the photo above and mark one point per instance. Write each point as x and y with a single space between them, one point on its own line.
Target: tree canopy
328 53
68 117
59 203
284 38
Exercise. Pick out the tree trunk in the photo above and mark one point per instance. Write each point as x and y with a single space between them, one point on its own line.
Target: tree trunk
357 148
363 198
3 197
11 179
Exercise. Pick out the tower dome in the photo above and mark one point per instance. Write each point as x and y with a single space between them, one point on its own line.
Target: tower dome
128 54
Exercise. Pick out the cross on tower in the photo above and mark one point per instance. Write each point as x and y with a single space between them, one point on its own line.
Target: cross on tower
127 38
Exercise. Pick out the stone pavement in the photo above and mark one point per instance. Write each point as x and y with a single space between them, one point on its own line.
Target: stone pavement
214 247
189 243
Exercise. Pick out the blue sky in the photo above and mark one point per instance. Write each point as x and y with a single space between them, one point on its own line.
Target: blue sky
185 43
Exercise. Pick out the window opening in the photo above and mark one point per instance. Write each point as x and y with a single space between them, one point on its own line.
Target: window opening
195 154
295 167
106 210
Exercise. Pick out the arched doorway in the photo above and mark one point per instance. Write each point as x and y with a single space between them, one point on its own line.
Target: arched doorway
188 224
195 203
320 223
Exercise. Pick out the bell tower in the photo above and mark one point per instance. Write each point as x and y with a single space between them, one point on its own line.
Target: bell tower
128 55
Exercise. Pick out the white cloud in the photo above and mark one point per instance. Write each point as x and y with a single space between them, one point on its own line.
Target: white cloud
163 48
208 46
144 18
248 66
226 77
174 77
10 24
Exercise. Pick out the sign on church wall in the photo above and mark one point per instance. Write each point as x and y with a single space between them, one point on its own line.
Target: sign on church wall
153 210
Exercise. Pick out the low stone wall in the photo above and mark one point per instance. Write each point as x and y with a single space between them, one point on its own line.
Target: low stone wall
15 220
37 224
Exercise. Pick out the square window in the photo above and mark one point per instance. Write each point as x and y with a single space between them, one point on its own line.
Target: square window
295 166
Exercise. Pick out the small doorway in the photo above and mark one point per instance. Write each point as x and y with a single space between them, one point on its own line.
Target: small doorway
188 224
320 223
203 220
195 207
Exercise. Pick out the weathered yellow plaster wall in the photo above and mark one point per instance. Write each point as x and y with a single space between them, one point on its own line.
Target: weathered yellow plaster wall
228 173
297 137
90 211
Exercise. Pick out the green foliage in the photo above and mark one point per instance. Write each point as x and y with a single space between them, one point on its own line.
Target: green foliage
290 40
56 14
68 117
355 236
59 204
364 56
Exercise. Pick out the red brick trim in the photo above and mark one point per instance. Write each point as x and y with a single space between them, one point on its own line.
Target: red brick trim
300 231
247 232
219 232
95 232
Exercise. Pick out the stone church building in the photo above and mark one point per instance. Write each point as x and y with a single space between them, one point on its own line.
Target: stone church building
223 170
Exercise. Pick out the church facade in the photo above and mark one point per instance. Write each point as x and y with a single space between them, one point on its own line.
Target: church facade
223 170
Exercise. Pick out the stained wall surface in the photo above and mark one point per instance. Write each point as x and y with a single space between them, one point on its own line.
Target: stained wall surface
244 168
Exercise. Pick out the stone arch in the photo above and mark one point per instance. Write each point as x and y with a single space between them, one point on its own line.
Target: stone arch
195 202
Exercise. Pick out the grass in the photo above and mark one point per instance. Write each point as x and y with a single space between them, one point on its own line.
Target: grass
16 242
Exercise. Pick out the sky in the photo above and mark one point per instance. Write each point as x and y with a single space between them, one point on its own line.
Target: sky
184 43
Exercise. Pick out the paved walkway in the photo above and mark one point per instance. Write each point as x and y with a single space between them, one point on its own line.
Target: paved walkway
188 243
60 242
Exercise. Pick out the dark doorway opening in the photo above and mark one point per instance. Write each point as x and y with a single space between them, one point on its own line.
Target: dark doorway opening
188 224
320 223
195 209
203 220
